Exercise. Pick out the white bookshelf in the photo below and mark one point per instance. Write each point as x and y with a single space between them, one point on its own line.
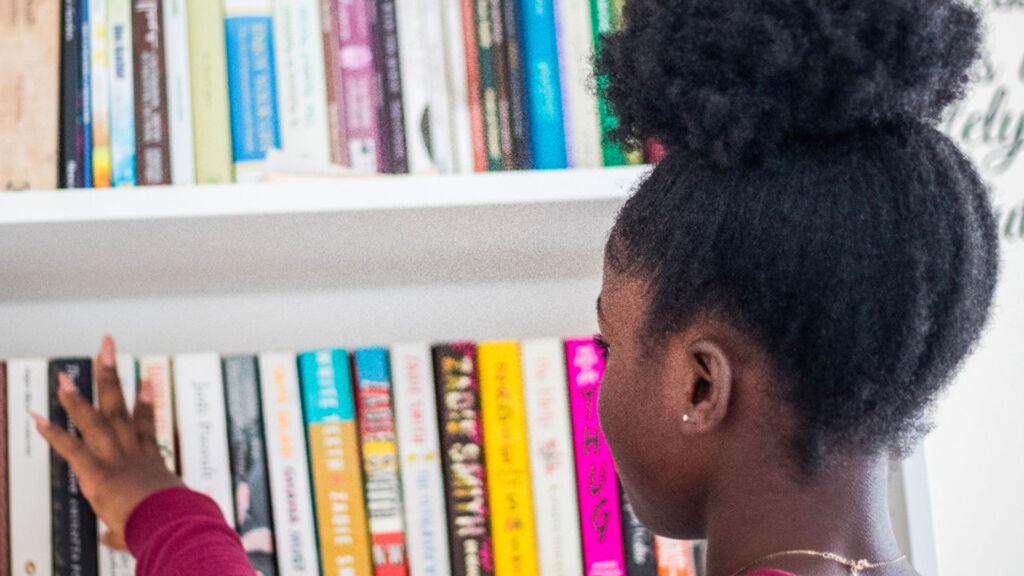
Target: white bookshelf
304 264
343 262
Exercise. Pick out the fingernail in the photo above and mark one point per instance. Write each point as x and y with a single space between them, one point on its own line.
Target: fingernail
41 422
66 385
108 355
146 392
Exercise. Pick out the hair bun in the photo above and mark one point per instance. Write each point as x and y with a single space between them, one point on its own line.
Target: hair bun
730 80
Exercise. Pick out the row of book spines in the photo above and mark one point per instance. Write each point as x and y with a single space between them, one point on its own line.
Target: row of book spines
502 414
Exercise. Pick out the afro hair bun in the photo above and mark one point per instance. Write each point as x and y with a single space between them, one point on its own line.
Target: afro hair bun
731 80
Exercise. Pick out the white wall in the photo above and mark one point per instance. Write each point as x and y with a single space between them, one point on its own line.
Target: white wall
976 454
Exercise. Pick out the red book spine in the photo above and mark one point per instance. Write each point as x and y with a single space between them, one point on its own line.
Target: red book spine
653 151
476 108
5 558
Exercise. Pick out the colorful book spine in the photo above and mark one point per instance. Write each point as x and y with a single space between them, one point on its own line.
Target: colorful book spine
31 89
179 92
74 523
603 553
551 458
248 458
503 411
120 562
488 56
152 144
122 94
601 15
457 89
512 22
579 103
155 371
420 452
336 129
502 82
380 461
301 80
675 557
290 494
202 428
358 78
211 113
392 157
71 140
99 27
474 93
424 99
5 493
85 126
543 85
640 557
462 456
334 460
31 526
252 84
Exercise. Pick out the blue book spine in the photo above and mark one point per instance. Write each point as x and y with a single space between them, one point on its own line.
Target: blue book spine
251 84
122 95
326 387
372 364
86 37
543 84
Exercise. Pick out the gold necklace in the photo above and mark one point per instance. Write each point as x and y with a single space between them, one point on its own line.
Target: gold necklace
855 566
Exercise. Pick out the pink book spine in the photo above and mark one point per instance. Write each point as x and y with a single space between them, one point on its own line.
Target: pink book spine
603 553
358 78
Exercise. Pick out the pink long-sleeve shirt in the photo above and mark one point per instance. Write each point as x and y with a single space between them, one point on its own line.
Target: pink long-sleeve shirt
179 532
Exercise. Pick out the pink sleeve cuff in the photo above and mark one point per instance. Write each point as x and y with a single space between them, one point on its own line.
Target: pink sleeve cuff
179 531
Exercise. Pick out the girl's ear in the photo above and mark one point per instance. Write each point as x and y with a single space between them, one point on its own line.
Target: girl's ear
705 385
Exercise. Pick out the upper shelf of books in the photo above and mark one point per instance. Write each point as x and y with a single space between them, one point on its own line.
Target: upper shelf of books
308 235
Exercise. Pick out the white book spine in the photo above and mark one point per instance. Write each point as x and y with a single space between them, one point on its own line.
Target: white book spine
301 80
415 94
156 370
203 428
420 454
29 455
551 457
457 86
119 562
179 93
288 465
575 49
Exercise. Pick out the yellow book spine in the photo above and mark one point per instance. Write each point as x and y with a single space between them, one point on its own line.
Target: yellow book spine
334 460
508 461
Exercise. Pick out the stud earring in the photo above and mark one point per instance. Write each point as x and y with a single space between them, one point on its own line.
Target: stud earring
686 417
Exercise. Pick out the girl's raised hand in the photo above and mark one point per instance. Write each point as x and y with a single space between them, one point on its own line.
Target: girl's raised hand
117 460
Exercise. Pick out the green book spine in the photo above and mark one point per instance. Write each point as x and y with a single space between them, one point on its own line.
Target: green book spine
486 54
210 112
602 19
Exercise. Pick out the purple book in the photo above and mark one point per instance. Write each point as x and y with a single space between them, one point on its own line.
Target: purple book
358 77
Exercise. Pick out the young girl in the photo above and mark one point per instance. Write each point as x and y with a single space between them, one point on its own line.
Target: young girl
784 295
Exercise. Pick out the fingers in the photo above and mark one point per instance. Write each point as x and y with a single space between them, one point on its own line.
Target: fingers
96 433
68 446
108 386
144 420
114 541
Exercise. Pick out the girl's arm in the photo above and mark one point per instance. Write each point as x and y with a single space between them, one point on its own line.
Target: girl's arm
169 529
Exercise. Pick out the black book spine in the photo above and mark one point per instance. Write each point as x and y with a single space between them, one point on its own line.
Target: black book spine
248 455
74 523
641 559
393 157
5 553
72 105
462 458
517 87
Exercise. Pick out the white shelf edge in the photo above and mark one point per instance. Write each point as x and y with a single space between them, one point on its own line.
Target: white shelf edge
317 196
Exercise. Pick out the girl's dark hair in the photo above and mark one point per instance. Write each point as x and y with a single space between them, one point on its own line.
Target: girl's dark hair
808 196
